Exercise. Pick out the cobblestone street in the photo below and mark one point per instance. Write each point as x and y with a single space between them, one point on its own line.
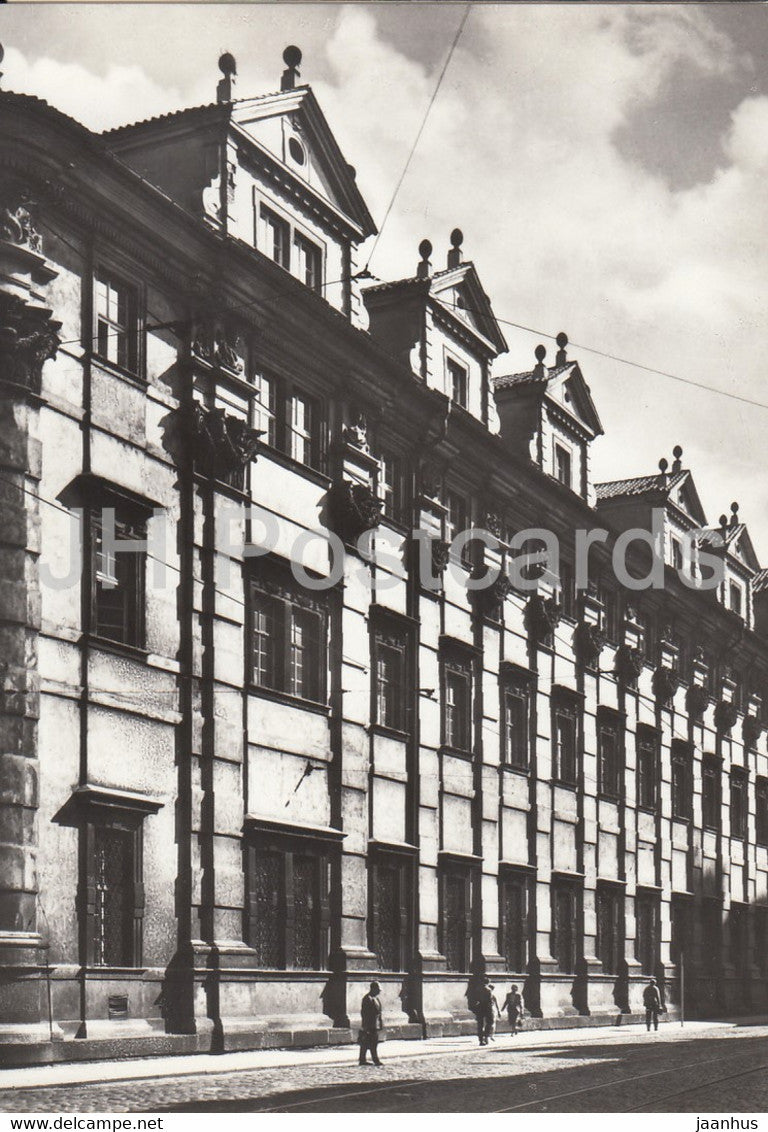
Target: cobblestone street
701 1068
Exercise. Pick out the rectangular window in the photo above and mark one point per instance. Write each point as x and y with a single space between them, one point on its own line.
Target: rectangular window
265 409
738 804
456 522
116 317
609 756
567 591
117 576
563 471
515 889
682 781
566 927
515 706
392 487
739 939
761 811
287 910
712 935
457 705
457 382
390 650
288 634
681 946
647 932
735 598
710 792
302 429
565 743
610 927
647 770
456 917
308 262
610 618
390 915
277 237
677 554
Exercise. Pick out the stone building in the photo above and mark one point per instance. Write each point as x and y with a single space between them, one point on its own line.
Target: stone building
259 741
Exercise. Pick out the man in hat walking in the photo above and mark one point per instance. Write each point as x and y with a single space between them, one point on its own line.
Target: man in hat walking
486 1012
370 1025
652 1004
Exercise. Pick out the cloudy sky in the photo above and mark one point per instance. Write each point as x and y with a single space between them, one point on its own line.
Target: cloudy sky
608 165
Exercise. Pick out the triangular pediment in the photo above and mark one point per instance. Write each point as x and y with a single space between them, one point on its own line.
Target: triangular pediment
743 551
567 388
292 129
460 291
685 496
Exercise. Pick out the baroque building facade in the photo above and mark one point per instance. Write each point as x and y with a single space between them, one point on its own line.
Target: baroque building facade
261 742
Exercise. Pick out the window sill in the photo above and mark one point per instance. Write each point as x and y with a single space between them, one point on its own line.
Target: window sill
523 771
652 811
119 648
119 371
614 799
282 458
457 752
390 732
286 698
565 785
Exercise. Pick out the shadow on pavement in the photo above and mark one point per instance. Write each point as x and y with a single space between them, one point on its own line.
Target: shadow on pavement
625 1078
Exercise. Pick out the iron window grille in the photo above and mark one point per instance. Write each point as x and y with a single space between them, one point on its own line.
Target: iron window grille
456 919
515 890
566 924
610 927
288 904
390 918
647 932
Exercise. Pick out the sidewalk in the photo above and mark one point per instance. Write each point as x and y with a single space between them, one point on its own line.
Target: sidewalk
200 1064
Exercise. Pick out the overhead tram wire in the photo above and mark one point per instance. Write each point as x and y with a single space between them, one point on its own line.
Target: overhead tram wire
417 139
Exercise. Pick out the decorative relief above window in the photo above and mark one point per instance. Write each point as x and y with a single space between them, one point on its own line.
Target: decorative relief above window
223 445
354 509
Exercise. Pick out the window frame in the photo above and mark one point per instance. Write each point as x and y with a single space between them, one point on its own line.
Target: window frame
739 787
681 780
647 742
277 413
456 371
130 522
712 772
288 600
560 449
610 786
516 940
289 847
106 275
395 639
517 688
761 810
401 862
647 952
573 890
293 236
566 707
609 947
463 873
458 666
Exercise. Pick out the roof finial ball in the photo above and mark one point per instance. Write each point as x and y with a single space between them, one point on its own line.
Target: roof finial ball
228 68
540 354
424 269
562 342
677 452
454 255
734 514
2 55
292 60
663 465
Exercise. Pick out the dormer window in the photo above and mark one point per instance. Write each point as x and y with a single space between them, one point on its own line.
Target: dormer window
563 465
457 382
307 262
735 598
677 554
278 237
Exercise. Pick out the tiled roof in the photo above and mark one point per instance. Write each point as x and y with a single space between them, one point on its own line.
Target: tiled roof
191 110
377 288
639 485
730 534
760 581
532 377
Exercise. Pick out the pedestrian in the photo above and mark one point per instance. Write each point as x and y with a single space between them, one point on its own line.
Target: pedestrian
486 1010
370 1025
652 1004
513 1004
